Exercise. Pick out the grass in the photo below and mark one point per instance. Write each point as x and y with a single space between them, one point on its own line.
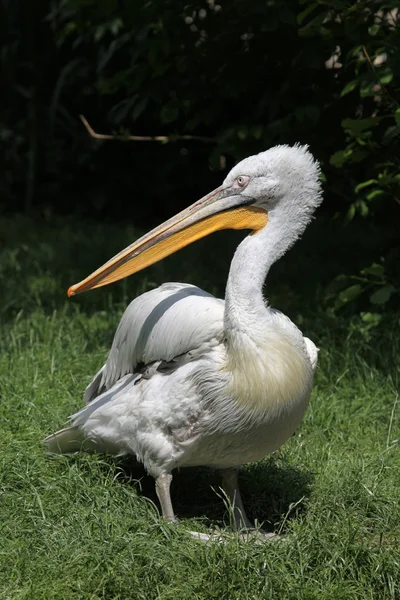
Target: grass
87 526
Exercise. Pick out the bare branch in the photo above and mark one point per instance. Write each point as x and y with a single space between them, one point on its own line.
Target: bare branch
144 138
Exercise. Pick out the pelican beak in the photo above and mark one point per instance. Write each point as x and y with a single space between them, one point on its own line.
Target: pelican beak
221 209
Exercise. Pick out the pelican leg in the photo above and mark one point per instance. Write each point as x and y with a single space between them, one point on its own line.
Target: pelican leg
230 484
163 484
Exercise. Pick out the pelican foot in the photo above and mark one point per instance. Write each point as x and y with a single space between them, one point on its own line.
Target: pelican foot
206 537
257 535
260 536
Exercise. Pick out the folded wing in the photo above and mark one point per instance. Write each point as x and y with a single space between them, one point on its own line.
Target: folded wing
174 322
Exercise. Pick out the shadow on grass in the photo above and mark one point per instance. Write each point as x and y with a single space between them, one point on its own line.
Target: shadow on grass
272 493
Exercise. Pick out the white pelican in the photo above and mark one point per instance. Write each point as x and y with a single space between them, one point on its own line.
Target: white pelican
190 379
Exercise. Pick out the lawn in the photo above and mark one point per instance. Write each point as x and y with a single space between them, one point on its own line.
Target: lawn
88 526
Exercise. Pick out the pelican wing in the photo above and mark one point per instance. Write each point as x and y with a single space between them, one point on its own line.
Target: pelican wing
169 325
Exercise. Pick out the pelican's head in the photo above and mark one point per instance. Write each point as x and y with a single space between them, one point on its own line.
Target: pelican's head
281 173
284 179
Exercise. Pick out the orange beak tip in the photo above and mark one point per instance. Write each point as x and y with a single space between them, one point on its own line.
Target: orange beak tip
71 292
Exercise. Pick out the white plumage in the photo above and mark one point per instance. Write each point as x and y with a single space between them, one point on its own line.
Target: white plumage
162 324
193 380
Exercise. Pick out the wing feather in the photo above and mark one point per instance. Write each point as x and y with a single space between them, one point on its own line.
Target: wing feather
160 325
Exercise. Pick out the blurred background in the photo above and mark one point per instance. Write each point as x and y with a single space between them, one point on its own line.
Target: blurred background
214 81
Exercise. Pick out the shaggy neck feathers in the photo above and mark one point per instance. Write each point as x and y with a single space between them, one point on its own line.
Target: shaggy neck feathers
265 350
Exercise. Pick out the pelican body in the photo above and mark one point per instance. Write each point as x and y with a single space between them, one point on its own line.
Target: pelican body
194 380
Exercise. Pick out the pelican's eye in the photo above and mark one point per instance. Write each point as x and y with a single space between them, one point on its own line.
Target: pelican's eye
242 180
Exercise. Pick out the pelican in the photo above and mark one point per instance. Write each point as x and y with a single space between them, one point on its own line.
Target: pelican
194 380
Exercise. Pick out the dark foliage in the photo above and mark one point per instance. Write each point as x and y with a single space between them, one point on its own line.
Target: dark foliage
244 75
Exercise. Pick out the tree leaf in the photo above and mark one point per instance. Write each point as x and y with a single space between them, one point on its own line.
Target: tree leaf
306 12
257 131
362 208
364 184
375 194
374 29
169 112
372 319
357 126
351 212
375 269
339 158
392 132
386 76
138 108
382 295
242 132
349 87
350 293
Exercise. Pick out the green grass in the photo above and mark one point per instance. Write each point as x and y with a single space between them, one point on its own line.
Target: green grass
87 526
